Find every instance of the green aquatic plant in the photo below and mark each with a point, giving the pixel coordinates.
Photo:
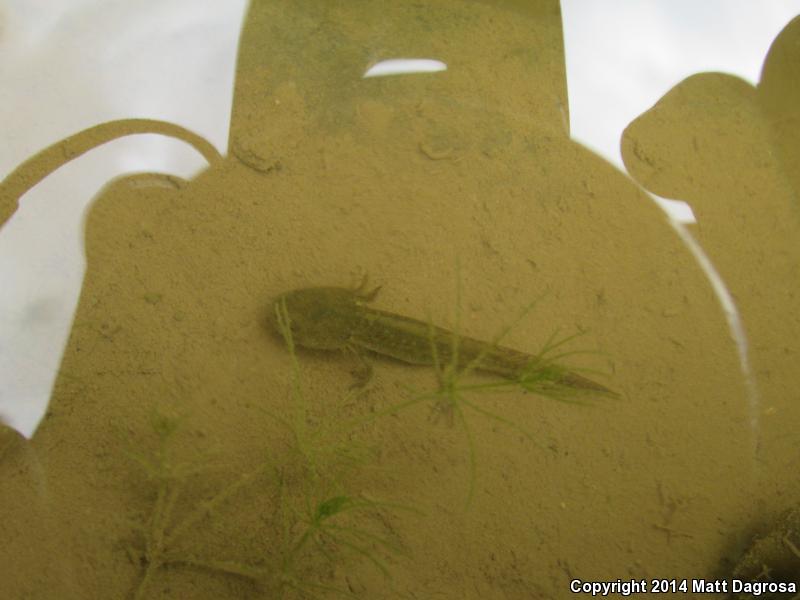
(544, 374)
(323, 454)
(338, 529)
(312, 528)
(325, 538)
(308, 544)
(157, 538)
(319, 523)
(319, 520)
(340, 319)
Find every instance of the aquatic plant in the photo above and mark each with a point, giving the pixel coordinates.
(157, 538)
(318, 521)
(545, 375)
(312, 528)
(325, 456)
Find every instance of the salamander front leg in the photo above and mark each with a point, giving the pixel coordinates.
(362, 373)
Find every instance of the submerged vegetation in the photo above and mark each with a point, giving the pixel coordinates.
(157, 538)
(318, 524)
(455, 392)
(310, 533)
